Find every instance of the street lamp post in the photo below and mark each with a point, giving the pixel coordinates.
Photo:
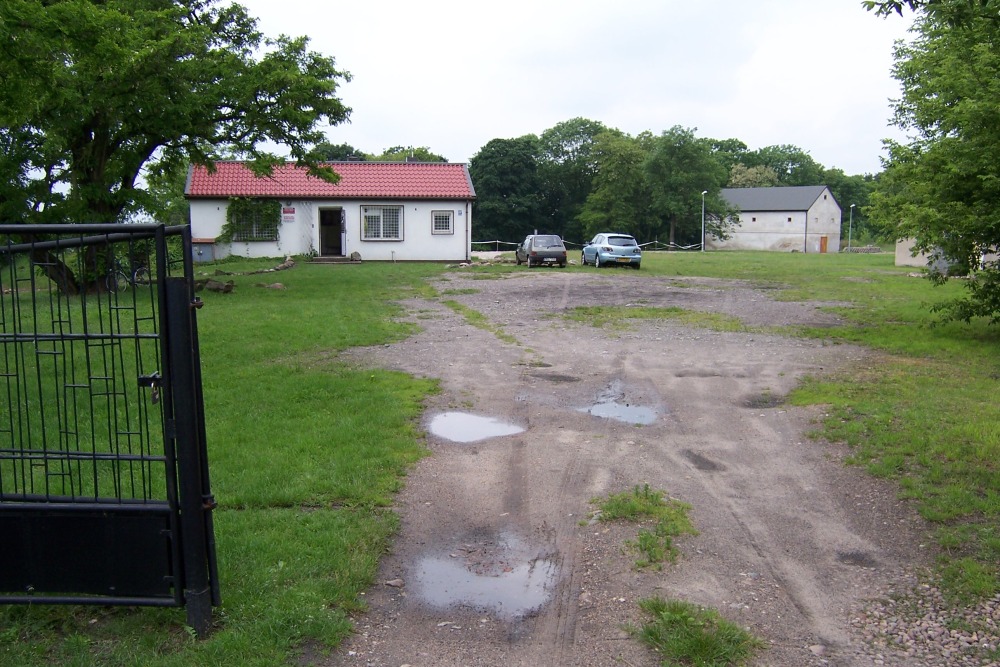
(850, 228)
(704, 192)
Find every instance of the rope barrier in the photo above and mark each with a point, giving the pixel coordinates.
(650, 245)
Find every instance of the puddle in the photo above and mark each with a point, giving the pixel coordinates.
(610, 406)
(630, 414)
(523, 589)
(465, 427)
(502, 577)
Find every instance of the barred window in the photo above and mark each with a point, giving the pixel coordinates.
(255, 224)
(382, 223)
(442, 222)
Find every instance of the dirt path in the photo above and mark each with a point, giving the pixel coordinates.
(497, 562)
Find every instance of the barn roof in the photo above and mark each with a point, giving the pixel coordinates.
(358, 180)
(790, 198)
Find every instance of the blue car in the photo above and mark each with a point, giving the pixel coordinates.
(612, 249)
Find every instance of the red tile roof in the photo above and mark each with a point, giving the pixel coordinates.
(358, 180)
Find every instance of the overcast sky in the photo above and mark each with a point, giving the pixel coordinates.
(453, 75)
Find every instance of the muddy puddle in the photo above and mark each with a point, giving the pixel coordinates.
(611, 404)
(466, 427)
(502, 577)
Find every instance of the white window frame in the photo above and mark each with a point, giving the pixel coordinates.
(436, 215)
(374, 223)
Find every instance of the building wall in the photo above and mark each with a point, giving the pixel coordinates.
(787, 231)
(299, 231)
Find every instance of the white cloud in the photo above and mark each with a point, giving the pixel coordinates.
(454, 75)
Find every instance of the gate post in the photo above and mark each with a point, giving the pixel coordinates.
(194, 505)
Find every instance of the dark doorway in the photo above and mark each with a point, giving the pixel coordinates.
(331, 232)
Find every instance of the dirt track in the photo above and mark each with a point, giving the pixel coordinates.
(497, 562)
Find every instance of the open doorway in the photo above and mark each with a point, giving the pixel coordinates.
(331, 232)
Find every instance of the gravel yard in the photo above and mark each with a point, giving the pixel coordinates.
(499, 561)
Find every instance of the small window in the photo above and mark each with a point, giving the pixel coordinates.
(754, 219)
(382, 223)
(442, 222)
(789, 220)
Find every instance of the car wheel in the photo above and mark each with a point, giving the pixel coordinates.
(583, 259)
(597, 260)
(636, 266)
(562, 265)
(517, 258)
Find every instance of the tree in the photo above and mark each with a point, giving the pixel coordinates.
(729, 152)
(621, 196)
(508, 203)
(855, 190)
(954, 12)
(327, 152)
(566, 170)
(106, 93)
(943, 187)
(678, 169)
(402, 153)
(760, 176)
(793, 165)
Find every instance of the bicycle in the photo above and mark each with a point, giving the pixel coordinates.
(118, 279)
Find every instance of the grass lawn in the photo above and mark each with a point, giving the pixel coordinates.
(305, 476)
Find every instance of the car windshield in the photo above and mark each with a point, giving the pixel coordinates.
(621, 240)
(547, 242)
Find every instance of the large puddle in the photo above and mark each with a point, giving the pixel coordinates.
(466, 427)
(499, 577)
(512, 594)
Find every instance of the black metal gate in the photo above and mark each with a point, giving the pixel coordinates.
(104, 488)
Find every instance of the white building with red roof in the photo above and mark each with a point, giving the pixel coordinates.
(389, 211)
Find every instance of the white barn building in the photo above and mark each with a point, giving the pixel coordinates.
(795, 218)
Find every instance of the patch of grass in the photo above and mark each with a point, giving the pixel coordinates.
(456, 291)
(480, 321)
(669, 519)
(605, 316)
(686, 634)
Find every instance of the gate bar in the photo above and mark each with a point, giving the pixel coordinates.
(181, 377)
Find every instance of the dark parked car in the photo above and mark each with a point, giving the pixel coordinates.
(605, 249)
(538, 249)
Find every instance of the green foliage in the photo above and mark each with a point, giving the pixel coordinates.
(620, 197)
(615, 316)
(567, 167)
(327, 152)
(403, 153)
(509, 203)
(679, 167)
(480, 321)
(97, 93)
(686, 634)
(247, 217)
(670, 519)
(758, 176)
(941, 188)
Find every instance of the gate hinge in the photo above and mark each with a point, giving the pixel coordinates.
(197, 303)
(208, 502)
